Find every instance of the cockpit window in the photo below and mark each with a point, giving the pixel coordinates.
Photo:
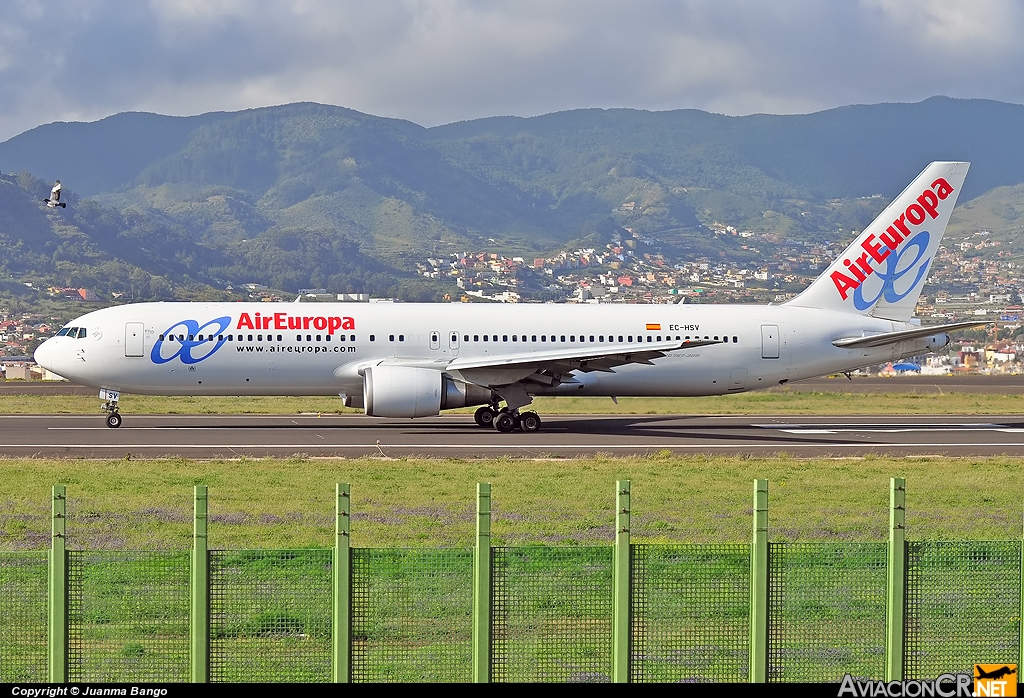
(72, 332)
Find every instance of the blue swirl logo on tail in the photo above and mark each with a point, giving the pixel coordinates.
(181, 341)
(893, 272)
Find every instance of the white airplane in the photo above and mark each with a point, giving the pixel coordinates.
(414, 360)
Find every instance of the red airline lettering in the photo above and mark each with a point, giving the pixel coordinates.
(926, 205)
(873, 250)
(284, 321)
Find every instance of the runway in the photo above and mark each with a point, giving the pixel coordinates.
(562, 436)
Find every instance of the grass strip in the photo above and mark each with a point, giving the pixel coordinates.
(288, 502)
(760, 403)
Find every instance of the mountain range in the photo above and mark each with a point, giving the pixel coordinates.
(310, 195)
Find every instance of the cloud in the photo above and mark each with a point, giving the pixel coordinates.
(445, 60)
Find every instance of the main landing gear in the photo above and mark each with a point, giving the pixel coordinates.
(505, 420)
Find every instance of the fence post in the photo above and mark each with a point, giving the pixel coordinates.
(58, 583)
(621, 617)
(896, 599)
(759, 586)
(342, 619)
(200, 628)
(482, 586)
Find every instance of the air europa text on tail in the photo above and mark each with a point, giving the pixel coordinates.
(878, 248)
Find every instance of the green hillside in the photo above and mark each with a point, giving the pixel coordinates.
(309, 195)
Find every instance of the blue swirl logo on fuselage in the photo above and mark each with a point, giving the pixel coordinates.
(181, 341)
(893, 272)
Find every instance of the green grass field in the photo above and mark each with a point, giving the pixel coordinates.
(287, 503)
(779, 401)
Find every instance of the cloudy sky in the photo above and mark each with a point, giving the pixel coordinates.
(439, 61)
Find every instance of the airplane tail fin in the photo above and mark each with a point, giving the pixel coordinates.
(883, 270)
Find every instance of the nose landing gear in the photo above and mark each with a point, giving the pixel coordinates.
(110, 398)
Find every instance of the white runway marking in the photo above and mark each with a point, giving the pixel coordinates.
(893, 429)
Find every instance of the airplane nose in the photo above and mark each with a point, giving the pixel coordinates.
(44, 354)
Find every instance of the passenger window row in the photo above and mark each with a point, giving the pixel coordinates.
(571, 338)
(591, 338)
(79, 332)
(246, 338)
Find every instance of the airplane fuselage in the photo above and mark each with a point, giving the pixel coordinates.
(323, 348)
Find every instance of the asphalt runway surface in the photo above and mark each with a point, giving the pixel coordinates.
(213, 436)
(562, 436)
(965, 383)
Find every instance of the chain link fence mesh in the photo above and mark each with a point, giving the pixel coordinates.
(691, 613)
(963, 606)
(826, 611)
(23, 619)
(270, 615)
(128, 616)
(412, 615)
(552, 614)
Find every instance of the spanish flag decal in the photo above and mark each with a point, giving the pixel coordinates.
(653, 326)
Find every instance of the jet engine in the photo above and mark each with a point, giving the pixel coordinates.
(407, 391)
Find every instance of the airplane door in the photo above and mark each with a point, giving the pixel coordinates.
(453, 342)
(769, 341)
(435, 340)
(738, 379)
(134, 342)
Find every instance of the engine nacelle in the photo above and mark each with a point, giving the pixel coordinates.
(406, 391)
(937, 341)
(922, 345)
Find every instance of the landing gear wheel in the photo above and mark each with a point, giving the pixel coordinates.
(529, 422)
(484, 417)
(505, 422)
(113, 420)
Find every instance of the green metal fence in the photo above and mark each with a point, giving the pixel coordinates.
(412, 614)
(779, 612)
(270, 615)
(827, 614)
(963, 605)
(23, 604)
(691, 613)
(552, 614)
(128, 616)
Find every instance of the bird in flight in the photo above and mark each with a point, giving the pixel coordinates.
(54, 200)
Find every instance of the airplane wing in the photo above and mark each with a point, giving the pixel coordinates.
(586, 359)
(878, 340)
(551, 368)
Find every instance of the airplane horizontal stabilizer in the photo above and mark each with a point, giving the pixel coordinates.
(879, 340)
